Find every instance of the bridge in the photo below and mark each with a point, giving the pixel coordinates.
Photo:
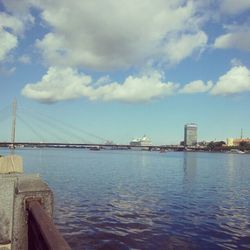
(31, 127)
(90, 146)
(46, 131)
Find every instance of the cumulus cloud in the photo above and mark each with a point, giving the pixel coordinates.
(103, 81)
(65, 83)
(196, 87)
(10, 27)
(236, 80)
(123, 34)
(115, 37)
(21, 10)
(233, 7)
(25, 59)
(60, 84)
(238, 37)
(136, 89)
(182, 46)
(11, 22)
(237, 33)
(235, 62)
(7, 71)
(8, 42)
(57, 85)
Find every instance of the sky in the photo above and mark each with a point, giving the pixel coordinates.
(119, 69)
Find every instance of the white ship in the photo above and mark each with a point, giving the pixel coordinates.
(143, 141)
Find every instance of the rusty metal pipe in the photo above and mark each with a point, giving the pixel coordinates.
(42, 233)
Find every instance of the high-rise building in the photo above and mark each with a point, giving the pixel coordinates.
(190, 134)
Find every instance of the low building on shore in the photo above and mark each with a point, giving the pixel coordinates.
(237, 141)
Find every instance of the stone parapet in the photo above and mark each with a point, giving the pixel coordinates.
(15, 190)
(11, 164)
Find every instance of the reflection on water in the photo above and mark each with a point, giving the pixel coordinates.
(147, 200)
(189, 166)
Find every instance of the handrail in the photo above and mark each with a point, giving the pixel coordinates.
(42, 233)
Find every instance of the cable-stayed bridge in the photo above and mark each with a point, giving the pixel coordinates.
(21, 124)
(31, 128)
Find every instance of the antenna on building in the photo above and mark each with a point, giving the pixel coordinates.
(241, 134)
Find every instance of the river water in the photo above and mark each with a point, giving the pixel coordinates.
(112, 199)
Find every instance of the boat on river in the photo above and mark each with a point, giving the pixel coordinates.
(95, 148)
(236, 151)
(143, 141)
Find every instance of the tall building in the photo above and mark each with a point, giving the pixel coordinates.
(190, 134)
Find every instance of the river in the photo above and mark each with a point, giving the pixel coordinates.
(112, 199)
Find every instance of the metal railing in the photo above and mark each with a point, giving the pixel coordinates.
(42, 233)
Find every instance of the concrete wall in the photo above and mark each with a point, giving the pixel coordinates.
(15, 189)
(11, 164)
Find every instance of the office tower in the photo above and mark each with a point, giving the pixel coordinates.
(190, 134)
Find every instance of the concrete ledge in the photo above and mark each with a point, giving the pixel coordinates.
(28, 187)
(5, 247)
(11, 164)
(31, 183)
(15, 190)
(6, 210)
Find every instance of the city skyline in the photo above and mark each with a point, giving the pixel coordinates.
(123, 70)
(190, 135)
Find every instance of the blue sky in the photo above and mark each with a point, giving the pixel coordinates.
(122, 69)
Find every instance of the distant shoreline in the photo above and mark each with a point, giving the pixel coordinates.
(162, 149)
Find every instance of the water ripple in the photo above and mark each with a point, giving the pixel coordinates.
(147, 200)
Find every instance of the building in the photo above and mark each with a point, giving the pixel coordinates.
(236, 141)
(144, 141)
(190, 134)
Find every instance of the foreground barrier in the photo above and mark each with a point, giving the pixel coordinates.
(42, 233)
(26, 209)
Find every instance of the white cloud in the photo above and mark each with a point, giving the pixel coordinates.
(11, 22)
(7, 71)
(136, 89)
(196, 87)
(237, 34)
(236, 80)
(25, 59)
(182, 46)
(60, 84)
(65, 83)
(103, 80)
(122, 34)
(10, 27)
(57, 85)
(236, 62)
(233, 7)
(8, 42)
(20, 9)
(238, 37)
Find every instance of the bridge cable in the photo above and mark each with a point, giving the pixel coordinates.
(60, 125)
(48, 131)
(52, 126)
(67, 125)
